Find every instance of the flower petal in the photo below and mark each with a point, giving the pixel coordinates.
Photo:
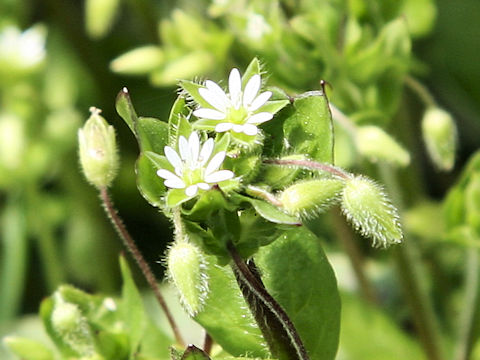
(250, 129)
(206, 151)
(183, 148)
(218, 176)
(259, 118)
(251, 90)
(174, 183)
(235, 87)
(172, 157)
(215, 163)
(218, 92)
(203, 186)
(191, 190)
(194, 146)
(165, 174)
(237, 128)
(222, 127)
(209, 114)
(213, 99)
(260, 100)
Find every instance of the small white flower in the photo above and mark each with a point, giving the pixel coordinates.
(23, 49)
(193, 168)
(238, 110)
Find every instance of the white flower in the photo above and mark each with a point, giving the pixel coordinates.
(237, 110)
(193, 168)
(23, 49)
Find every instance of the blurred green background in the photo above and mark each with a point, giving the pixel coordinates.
(53, 229)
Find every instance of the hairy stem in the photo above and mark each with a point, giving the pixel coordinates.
(137, 255)
(310, 165)
(421, 90)
(262, 194)
(270, 316)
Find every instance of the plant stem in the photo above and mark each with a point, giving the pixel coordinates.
(262, 194)
(346, 237)
(253, 285)
(411, 276)
(471, 309)
(137, 255)
(421, 90)
(311, 165)
(207, 343)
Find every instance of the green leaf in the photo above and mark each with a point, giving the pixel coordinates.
(226, 317)
(148, 183)
(152, 134)
(28, 349)
(368, 334)
(125, 108)
(271, 212)
(304, 128)
(176, 197)
(159, 161)
(298, 275)
(132, 310)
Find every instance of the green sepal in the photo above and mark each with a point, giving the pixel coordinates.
(176, 197)
(205, 124)
(177, 129)
(252, 69)
(159, 161)
(179, 110)
(192, 89)
(194, 353)
(125, 109)
(273, 106)
(208, 203)
(149, 183)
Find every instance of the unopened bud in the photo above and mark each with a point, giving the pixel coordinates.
(72, 327)
(98, 150)
(99, 16)
(186, 269)
(440, 136)
(370, 211)
(142, 60)
(375, 144)
(311, 197)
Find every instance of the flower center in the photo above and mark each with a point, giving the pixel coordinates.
(193, 176)
(237, 116)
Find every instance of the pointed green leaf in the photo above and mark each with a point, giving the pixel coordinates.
(132, 310)
(297, 273)
(176, 197)
(159, 161)
(152, 134)
(149, 183)
(226, 317)
(125, 108)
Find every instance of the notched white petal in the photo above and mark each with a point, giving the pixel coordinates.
(260, 100)
(215, 163)
(191, 190)
(259, 118)
(250, 129)
(213, 99)
(217, 91)
(203, 186)
(235, 86)
(165, 174)
(183, 148)
(206, 151)
(222, 127)
(237, 128)
(209, 114)
(174, 183)
(251, 90)
(218, 176)
(172, 157)
(194, 146)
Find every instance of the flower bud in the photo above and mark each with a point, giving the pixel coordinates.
(370, 211)
(440, 136)
(186, 270)
(72, 327)
(99, 16)
(98, 150)
(138, 61)
(311, 197)
(375, 144)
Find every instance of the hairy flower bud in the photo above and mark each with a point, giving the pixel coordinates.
(138, 61)
(310, 197)
(376, 144)
(186, 270)
(370, 211)
(72, 327)
(98, 150)
(440, 136)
